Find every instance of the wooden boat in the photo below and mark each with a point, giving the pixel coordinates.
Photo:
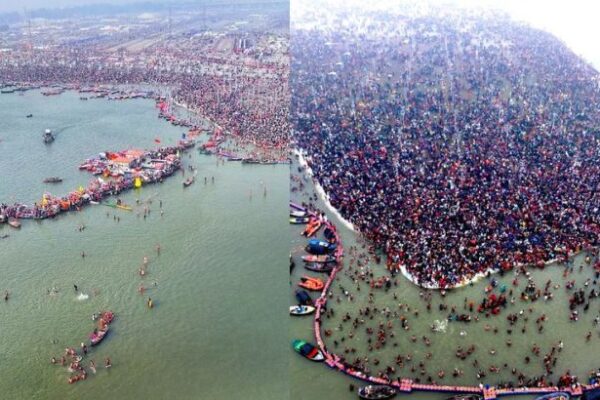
(467, 396)
(298, 220)
(303, 298)
(319, 267)
(316, 246)
(103, 326)
(323, 259)
(307, 350)
(53, 179)
(301, 310)
(298, 214)
(189, 181)
(555, 396)
(376, 392)
(250, 161)
(234, 159)
(311, 283)
(14, 222)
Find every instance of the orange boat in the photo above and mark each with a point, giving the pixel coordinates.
(313, 226)
(310, 283)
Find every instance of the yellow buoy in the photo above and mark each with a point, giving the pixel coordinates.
(138, 182)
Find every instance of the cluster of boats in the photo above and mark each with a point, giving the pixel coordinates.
(120, 171)
(315, 262)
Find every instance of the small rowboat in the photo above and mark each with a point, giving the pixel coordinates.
(301, 310)
(310, 283)
(555, 396)
(376, 392)
(303, 298)
(468, 396)
(53, 179)
(297, 213)
(318, 259)
(15, 223)
(307, 350)
(103, 326)
(319, 267)
(188, 182)
(298, 220)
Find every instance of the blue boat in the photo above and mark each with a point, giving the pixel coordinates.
(303, 298)
(316, 246)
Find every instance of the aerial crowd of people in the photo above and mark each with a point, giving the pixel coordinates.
(244, 93)
(457, 144)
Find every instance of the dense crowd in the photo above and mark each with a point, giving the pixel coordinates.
(456, 144)
(244, 94)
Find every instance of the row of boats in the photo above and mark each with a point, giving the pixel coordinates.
(305, 304)
(121, 171)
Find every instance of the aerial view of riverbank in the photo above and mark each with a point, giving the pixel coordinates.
(139, 236)
(432, 144)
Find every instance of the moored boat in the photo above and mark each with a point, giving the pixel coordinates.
(376, 392)
(467, 396)
(307, 350)
(323, 259)
(319, 267)
(301, 310)
(313, 227)
(316, 246)
(298, 220)
(14, 222)
(310, 283)
(298, 213)
(303, 298)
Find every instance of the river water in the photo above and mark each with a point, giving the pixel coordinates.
(218, 326)
(578, 355)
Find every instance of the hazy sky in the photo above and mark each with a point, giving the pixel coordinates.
(574, 21)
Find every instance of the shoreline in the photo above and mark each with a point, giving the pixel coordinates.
(403, 270)
(321, 192)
